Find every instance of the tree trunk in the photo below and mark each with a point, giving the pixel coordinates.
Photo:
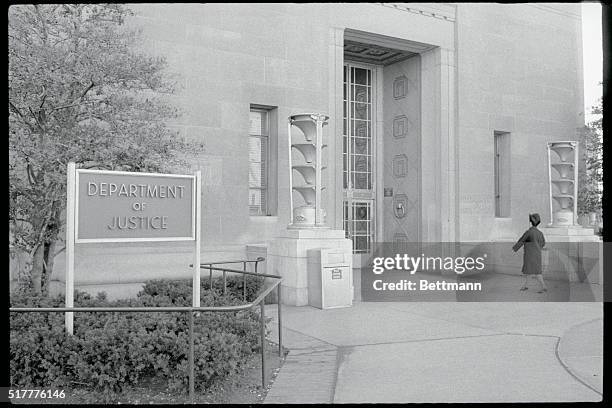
(37, 269)
(49, 261)
(19, 267)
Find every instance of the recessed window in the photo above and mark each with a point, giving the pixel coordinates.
(501, 142)
(357, 137)
(261, 146)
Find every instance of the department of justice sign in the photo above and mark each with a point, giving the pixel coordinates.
(114, 206)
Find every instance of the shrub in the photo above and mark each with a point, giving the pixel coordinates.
(111, 350)
(39, 355)
(179, 291)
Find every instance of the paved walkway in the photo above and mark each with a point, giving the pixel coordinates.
(441, 352)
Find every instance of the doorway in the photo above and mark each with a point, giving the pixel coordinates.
(380, 150)
(411, 103)
(359, 140)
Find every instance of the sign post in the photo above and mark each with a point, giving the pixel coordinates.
(70, 198)
(118, 206)
(196, 251)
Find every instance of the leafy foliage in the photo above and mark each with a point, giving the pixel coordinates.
(110, 351)
(590, 182)
(179, 291)
(79, 90)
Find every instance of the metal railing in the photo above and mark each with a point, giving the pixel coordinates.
(244, 263)
(190, 309)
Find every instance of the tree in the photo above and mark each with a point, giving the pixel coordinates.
(590, 183)
(79, 90)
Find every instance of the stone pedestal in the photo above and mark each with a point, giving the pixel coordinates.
(572, 233)
(574, 253)
(287, 257)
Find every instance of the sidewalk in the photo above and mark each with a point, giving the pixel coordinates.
(441, 352)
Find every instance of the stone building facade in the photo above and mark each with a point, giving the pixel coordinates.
(421, 97)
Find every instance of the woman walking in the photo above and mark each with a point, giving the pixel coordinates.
(533, 241)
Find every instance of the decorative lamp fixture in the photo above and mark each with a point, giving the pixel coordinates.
(565, 193)
(310, 145)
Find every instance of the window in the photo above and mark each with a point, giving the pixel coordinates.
(262, 160)
(502, 173)
(358, 156)
(357, 137)
(259, 137)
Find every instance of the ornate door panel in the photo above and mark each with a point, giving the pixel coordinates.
(401, 178)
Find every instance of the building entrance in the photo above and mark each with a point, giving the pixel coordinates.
(381, 147)
(358, 152)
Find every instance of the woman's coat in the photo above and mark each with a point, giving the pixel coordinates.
(533, 241)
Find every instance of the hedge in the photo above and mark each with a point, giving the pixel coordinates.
(179, 291)
(109, 351)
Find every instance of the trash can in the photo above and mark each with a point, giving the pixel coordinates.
(330, 278)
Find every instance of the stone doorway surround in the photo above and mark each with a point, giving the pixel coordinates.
(438, 198)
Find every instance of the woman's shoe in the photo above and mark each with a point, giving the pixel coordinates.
(523, 288)
(542, 290)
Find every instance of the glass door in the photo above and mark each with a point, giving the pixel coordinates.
(359, 186)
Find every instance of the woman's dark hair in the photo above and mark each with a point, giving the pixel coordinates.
(534, 219)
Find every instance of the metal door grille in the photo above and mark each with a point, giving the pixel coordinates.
(359, 224)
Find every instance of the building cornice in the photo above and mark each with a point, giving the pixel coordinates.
(440, 11)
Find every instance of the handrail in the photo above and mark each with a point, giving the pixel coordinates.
(259, 259)
(267, 275)
(244, 262)
(184, 309)
(236, 308)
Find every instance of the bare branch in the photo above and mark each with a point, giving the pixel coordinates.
(23, 220)
(74, 102)
(44, 97)
(15, 109)
(87, 90)
(36, 119)
(31, 176)
(72, 105)
(59, 251)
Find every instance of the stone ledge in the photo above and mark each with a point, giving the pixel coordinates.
(569, 231)
(312, 233)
